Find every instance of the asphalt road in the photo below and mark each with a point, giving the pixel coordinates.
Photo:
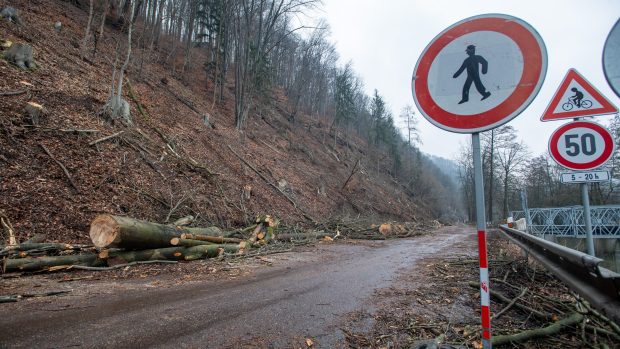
(301, 295)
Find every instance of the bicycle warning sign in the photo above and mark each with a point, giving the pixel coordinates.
(576, 98)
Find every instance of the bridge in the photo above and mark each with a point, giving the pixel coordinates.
(569, 222)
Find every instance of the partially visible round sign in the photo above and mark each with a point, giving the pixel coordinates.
(581, 145)
(611, 58)
(479, 73)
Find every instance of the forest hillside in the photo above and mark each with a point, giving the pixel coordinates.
(186, 147)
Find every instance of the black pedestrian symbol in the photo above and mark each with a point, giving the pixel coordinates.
(471, 64)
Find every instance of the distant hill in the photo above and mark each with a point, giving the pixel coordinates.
(448, 167)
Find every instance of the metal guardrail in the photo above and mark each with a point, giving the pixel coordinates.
(581, 272)
(568, 221)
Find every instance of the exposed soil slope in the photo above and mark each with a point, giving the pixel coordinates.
(169, 164)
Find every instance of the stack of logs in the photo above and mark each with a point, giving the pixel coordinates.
(122, 240)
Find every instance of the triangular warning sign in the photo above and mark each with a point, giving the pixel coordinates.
(576, 98)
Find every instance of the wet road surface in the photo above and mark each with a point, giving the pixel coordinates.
(302, 295)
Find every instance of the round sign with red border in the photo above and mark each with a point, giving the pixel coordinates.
(479, 73)
(581, 145)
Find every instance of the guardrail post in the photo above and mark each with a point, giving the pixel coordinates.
(485, 298)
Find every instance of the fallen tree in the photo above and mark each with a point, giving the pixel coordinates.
(27, 248)
(178, 253)
(42, 263)
(111, 258)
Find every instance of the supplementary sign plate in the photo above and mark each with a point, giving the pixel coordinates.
(584, 177)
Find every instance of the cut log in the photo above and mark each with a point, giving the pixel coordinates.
(210, 251)
(184, 221)
(214, 239)
(210, 231)
(185, 242)
(37, 248)
(41, 263)
(115, 257)
(170, 253)
(108, 231)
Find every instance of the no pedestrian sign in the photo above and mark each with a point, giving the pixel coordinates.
(479, 73)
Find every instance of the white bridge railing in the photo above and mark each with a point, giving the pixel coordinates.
(568, 221)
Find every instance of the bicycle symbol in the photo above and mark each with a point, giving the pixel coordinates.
(585, 104)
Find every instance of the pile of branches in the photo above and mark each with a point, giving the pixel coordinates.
(122, 241)
(363, 229)
(530, 308)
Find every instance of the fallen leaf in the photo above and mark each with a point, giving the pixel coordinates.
(309, 342)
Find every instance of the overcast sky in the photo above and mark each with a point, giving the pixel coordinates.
(383, 40)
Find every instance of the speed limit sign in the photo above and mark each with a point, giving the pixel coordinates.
(581, 145)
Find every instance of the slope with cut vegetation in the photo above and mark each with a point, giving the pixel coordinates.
(288, 134)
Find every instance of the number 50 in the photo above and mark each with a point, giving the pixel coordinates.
(586, 144)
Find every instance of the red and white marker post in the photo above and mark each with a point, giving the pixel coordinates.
(474, 76)
(485, 298)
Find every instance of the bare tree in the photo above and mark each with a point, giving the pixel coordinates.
(117, 107)
(407, 114)
(512, 158)
(259, 26)
(87, 32)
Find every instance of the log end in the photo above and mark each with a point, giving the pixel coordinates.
(103, 230)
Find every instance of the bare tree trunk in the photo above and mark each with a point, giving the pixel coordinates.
(99, 37)
(87, 33)
(117, 107)
(189, 36)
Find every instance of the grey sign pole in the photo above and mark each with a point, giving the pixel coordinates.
(485, 299)
(587, 219)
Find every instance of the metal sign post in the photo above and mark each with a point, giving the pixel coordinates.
(582, 145)
(449, 86)
(481, 225)
(587, 218)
